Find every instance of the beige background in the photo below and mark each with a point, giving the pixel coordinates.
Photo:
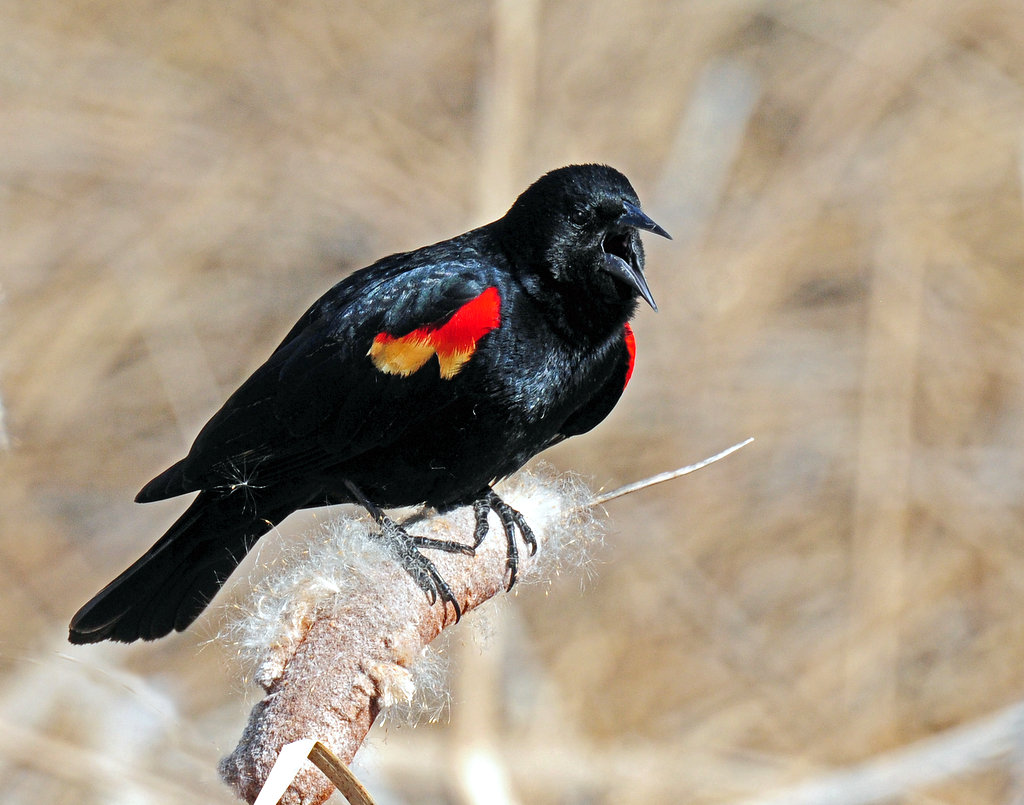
(178, 181)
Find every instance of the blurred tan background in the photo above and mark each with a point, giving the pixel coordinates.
(832, 615)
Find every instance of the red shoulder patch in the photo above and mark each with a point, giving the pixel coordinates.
(454, 342)
(630, 341)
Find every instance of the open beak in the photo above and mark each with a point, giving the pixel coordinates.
(632, 215)
(619, 257)
(630, 273)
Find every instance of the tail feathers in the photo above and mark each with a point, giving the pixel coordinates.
(168, 484)
(174, 581)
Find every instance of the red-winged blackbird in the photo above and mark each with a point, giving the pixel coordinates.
(423, 378)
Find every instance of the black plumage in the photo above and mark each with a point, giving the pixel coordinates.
(423, 378)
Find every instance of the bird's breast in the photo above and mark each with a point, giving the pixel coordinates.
(544, 379)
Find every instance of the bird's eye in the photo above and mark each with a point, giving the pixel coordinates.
(579, 215)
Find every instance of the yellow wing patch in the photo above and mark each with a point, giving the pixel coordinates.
(399, 356)
(454, 342)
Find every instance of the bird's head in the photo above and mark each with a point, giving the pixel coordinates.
(580, 224)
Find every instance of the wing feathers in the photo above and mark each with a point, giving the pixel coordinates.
(454, 342)
(318, 400)
(630, 341)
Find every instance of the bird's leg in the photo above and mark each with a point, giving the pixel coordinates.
(481, 511)
(407, 546)
(510, 520)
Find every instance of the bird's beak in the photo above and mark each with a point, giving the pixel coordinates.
(632, 215)
(624, 263)
(632, 274)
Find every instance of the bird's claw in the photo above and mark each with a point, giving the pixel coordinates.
(422, 570)
(510, 521)
(406, 547)
(448, 546)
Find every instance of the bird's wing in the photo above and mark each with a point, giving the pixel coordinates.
(374, 354)
(386, 357)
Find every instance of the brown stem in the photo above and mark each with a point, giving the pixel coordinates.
(344, 658)
(353, 659)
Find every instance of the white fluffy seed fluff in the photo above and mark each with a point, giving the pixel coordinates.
(344, 559)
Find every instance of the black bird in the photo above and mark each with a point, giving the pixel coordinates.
(422, 379)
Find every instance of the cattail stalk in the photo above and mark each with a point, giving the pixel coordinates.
(341, 629)
(336, 632)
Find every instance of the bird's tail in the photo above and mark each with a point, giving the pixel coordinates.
(171, 584)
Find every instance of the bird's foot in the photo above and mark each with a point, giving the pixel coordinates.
(423, 571)
(510, 521)
(407, 550)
